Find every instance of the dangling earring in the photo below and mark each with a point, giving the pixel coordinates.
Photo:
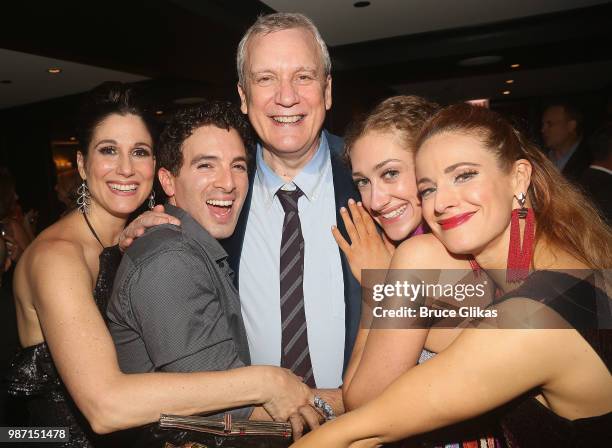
(152, 200)
(476, 269)
(84, 199)
(519, 255)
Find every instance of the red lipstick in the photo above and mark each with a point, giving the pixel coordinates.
(455, 221)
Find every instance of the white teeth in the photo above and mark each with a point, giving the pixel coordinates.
(122, 187)
(288, 119)
(395, 212)
(220, 203)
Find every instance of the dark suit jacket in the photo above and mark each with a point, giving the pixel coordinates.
(598, 186)
(344, 189)
(580, 161)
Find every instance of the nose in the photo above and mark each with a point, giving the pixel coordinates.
(444, 199)
(379, 197)
(225, 180)
(126, 165)
(287, 94)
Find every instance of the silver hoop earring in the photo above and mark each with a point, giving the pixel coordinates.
(152, 200)
(84, 199)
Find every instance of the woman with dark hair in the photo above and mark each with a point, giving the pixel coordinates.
(68, 364)
(542, 369)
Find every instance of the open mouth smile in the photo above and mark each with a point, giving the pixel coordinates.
(220, 209)
(122, 188)
(287, 119)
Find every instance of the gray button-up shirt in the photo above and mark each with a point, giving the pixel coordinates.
(174, 307)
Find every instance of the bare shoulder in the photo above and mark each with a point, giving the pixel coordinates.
(426, 252)
(51, 256)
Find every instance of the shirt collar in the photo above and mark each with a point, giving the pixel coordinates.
(562, 161)
(192, 229)
(309, 180)
(600, 168)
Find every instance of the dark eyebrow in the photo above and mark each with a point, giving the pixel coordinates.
(105, 141)
(448, 169)
(114, 142)
(198, 158)
(240, 159)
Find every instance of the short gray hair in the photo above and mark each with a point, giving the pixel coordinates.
(270, 23)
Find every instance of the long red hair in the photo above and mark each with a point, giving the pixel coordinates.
(565, 217)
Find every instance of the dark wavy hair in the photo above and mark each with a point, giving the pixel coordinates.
(186, 121)
(107, 99)
(565, 217)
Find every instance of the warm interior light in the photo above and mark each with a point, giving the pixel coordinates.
(506, 92)
(515, 65)
(72, 139)
(159, 112)
(482, 102)
(509, 81)
(54, 70)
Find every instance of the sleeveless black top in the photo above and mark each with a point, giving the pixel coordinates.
(525, 421)
(33, 377)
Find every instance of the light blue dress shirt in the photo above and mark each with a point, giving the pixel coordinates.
(561, 162)
(323, 282)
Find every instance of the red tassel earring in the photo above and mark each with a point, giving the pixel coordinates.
(519, 255)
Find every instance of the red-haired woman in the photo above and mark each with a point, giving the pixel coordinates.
(482, 185)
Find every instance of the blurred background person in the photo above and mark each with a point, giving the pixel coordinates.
(562, 132)
(597, 178)
(16, 233)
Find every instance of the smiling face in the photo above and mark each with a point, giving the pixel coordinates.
(120, 167)
(212, 182)
(467, 198)
(287, 93)
(383, 171)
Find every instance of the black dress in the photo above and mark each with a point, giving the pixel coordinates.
(525, 421)
(33, 377)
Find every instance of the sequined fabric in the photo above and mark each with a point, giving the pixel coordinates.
(32, 375)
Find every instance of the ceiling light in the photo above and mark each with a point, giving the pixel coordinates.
(159, 112)
(54, 70)
(361, 4)
(506, 92)
(515, 65)
(480, 60)
(73, 139)
(509, 81)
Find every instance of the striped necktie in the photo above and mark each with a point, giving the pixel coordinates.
(295, 355)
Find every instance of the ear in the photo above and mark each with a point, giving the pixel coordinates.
(166, 179)
(243, 100)
(328, 93)
(81, 165)
(572, 125)
(521, 174)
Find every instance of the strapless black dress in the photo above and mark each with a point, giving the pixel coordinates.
(32, 376)
(525, 421)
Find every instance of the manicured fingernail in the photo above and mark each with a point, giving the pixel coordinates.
(359, 204)
(351, 201)
(342, 210)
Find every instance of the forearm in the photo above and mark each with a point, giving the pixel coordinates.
(133, 400)
(360, 340)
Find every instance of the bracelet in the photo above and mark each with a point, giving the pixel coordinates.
(324, 407)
